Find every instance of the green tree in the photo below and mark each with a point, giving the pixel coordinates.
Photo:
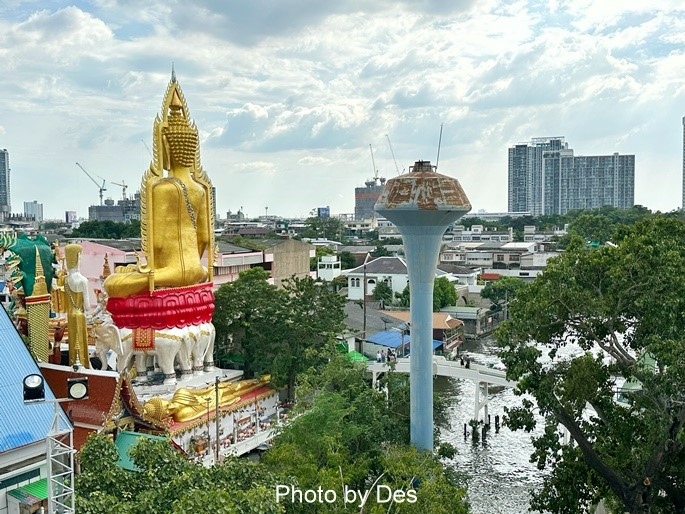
(168, 482)
(348, 433)
(596, 319)
(347, 260)
(309, 318)
(502, 291)
(277, 331)
(107, 230)
(444, 294)
(403, 299)
(245, 316)
(382, 293)
(324, 228)
(380, 251)
(592, 227)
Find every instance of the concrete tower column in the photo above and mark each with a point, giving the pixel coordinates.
(422, 204)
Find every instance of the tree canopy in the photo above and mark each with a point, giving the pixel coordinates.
(324, 228)
(444, 295)
(348, 434)
(597, 320)
(107, 230)
(502, 291)
(168, 482)
(277, 331)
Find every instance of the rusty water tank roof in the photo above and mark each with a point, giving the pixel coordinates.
(423, 189)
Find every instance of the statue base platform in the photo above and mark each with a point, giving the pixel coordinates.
(164, 308)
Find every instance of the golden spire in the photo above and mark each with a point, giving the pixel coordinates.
(39, 287)
(106, 271)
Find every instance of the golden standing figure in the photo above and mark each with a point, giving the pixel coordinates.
(177, 216)
(58, 295)
(78, 301)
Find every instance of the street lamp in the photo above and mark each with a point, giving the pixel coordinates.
(60, 441)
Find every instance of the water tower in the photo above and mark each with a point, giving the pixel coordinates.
(422, 204)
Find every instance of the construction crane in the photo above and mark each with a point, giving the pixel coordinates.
(102, 187)
(123, 188)
(397, 168)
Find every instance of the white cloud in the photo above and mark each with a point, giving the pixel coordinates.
(289, 95)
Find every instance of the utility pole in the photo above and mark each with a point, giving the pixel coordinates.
(216, 401)
(364, 307)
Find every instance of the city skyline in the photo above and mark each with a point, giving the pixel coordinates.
(288, 96)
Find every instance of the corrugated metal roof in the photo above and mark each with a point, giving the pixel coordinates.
(394, 339)
(32, 493)
(20, 423)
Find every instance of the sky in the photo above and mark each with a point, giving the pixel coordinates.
(296, 100)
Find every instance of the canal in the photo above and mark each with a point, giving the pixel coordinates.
(498, 470)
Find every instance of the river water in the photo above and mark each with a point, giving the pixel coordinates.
(499, 473)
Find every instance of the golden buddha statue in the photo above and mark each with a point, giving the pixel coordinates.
(78, 302)
(177, 214)
(188, 404)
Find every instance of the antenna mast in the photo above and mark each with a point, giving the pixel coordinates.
(393, 155)
(439, 143)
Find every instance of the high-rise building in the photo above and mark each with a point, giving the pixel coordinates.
(587, 182)
(546, 178)
(525, 173)
(33, 210)
(5, 203)
(366, 197)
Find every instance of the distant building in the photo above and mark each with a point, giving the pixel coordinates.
(33, 210)
(366, 197)
(587, 182)
(525, 173)
(683, 204)
(286, 259)
(546, 178)
(124, 211)
(5, 202)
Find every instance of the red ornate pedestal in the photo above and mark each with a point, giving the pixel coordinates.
(164, 308)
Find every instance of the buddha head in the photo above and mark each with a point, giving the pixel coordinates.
(180, 136)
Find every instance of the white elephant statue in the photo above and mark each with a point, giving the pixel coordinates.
(201, 347)
(169, 344)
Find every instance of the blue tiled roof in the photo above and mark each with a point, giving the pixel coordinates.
(20, 423)
(393, 339)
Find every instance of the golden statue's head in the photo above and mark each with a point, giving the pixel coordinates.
(72, 252)
(180, 135)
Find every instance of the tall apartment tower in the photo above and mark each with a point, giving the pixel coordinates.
(5, 204)
(33, 210)
(525, 173)
(573, 182)
(546, 178)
